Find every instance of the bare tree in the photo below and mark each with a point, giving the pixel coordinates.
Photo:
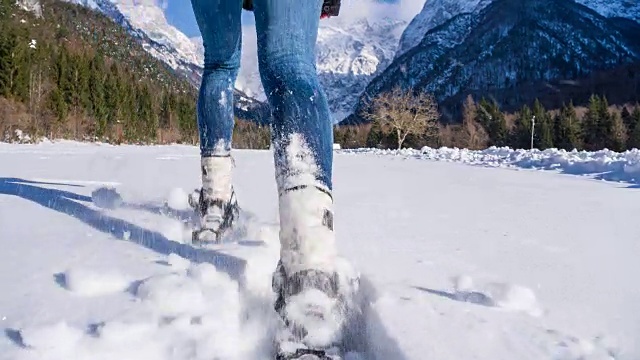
(405, 112)
(473, 135)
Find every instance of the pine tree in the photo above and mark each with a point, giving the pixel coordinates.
(112, 95)
(493, 120)
(6, 7)
(167, 110)
(472, 135)
(83, 76)
(627, 119)
(634, 137)
(58, 106)
(187, 119)
(618, 131)
(5, 64)
(63, 79)
(23, 61)
(543, 135)
(375, 136)
(97, 96)
(337, 135)
(9, 63)
(148, 122)
(483, 116)
(521, 135)
(605, 132)
(591, 124)
(567, 129)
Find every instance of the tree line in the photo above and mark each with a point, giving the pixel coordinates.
(594, 127)
(73, 73)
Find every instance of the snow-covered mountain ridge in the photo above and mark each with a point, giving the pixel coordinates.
(147, 23)
(348, 57)
(437, 12)
(510, 51)
(349, 53)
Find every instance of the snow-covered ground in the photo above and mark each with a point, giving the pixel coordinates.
(458, 261)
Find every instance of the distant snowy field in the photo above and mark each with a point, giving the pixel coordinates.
(462, 256)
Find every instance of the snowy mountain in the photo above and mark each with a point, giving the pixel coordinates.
(349, 53)
(508, 47)
(149, 18)
(629, 9)
(146, 21)
(437, 12)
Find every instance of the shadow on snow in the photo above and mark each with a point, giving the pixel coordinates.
(473, 297)
(71, 204)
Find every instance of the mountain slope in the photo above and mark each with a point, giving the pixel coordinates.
(146, 22)
(508, 45)
(628, 9)
(433, 14)
(67, 71)
(437, 12)
(350, 55)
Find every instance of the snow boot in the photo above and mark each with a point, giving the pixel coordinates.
(216, 201)
(308, 303)
(305, 280)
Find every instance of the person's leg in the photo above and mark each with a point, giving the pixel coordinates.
(220, 26)
(301, 129)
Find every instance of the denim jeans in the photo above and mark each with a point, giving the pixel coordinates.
(286, 35)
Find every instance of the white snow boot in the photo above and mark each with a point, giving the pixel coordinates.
(216, 201)
(305, 281)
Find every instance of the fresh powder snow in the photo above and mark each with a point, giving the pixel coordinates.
(493, 254)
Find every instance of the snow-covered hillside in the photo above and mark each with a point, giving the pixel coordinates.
(147, 16)
(460, 262)
(437, 12)
(146, 22)
(629, 9)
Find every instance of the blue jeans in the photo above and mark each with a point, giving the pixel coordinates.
(286, 34)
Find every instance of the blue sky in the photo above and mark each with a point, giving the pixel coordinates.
(180, 14)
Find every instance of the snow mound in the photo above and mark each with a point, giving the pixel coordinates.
(604, 164)
(511, 297)
(90, 282)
